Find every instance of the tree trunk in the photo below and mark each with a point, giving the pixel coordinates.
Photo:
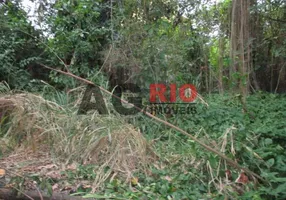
(220, 64)
(240, 46)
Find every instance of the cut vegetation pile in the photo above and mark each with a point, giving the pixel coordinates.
(34, 129)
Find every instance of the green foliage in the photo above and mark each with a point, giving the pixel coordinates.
(18, 46)
(258, 138)
(82, 173)
(163, 53)
(169, 42)
(79, 35)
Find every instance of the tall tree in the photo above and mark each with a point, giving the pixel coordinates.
(240, 49)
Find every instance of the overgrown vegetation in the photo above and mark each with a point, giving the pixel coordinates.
(232, 51)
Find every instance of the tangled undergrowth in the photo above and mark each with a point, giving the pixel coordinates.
(47, 142)
(255, 139)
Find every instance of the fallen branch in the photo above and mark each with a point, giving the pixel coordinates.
(228, 160)
(8, 194)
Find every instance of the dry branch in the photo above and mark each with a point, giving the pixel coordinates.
(8, 194)
(224, 157)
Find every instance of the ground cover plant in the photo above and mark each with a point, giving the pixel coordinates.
(232, 144)
(180, 169)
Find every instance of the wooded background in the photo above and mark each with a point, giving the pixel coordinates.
(217, 45)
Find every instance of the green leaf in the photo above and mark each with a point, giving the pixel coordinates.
(268, 141)
(270, 162)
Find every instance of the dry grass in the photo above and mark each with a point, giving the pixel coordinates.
(35, 124)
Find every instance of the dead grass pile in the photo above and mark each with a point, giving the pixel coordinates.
(34, 123)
